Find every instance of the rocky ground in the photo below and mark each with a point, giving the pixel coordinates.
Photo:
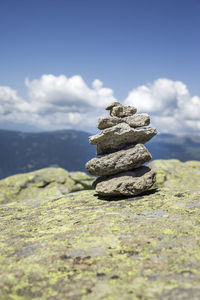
(60, 241)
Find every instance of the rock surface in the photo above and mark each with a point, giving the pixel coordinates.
(123, 160)
(78, 246)
(110, 106)
(117, 137)
(174, 174)
(121, 111)
(46, 183)
(127, 183)
(138, 120)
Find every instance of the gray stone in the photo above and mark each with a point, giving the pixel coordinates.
(120, 161)
(134, 121)
(181, 293)
(122, 111)
(138, 120)
(106, 122)
(119, 136)
(110, 106)
(127, 183)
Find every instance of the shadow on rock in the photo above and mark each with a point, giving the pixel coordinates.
(129, 198)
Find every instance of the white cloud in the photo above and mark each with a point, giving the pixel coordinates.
(170, 105)
(67, 94)
(58, 102)
(9, 101)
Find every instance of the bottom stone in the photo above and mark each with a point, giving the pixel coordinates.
(126, 183)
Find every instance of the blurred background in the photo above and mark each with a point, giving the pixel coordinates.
(63, 61)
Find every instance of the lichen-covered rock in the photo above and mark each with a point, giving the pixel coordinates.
(120, 161)
(134, 121)
(46, 183)
(174, 174)
(119, 136)
(127, 183)
(79, 246)
(82, 179)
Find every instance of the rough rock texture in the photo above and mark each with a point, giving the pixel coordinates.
(138, 120)
(122, 111)
(119, 136)
(123, 160)
(128, 183)
(110, 106)
(173, 174)
(43, 184)
(106, 122)
(83, 247)
(121, 172)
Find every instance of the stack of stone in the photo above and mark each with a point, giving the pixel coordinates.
(121, 171)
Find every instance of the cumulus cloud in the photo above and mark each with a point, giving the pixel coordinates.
(67, 94)
(56, 102)
(170, 105)
(9, 101)
(59, 102)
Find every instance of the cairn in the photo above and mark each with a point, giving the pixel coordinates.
(121, 142)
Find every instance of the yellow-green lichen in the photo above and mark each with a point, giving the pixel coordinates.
(78, 246)
(49, 183)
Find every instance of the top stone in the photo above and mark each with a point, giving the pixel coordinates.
(110, 106)
(120, 111)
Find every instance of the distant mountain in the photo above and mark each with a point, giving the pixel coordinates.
(70, 149)
(24, 152)
(167, 146)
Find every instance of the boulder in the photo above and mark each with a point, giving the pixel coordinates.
(135, 121)
(128, 183)
(174, 174)
(119, 136)
(123, 160)
(46, 183)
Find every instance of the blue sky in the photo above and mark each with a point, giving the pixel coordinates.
(126, 44)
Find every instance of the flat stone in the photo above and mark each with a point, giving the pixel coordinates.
(120, 161)
(106, 122)
(138, 120)
(110, 106)
(134, 121)
(125, 184)
(122, 111)
(120, 136)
